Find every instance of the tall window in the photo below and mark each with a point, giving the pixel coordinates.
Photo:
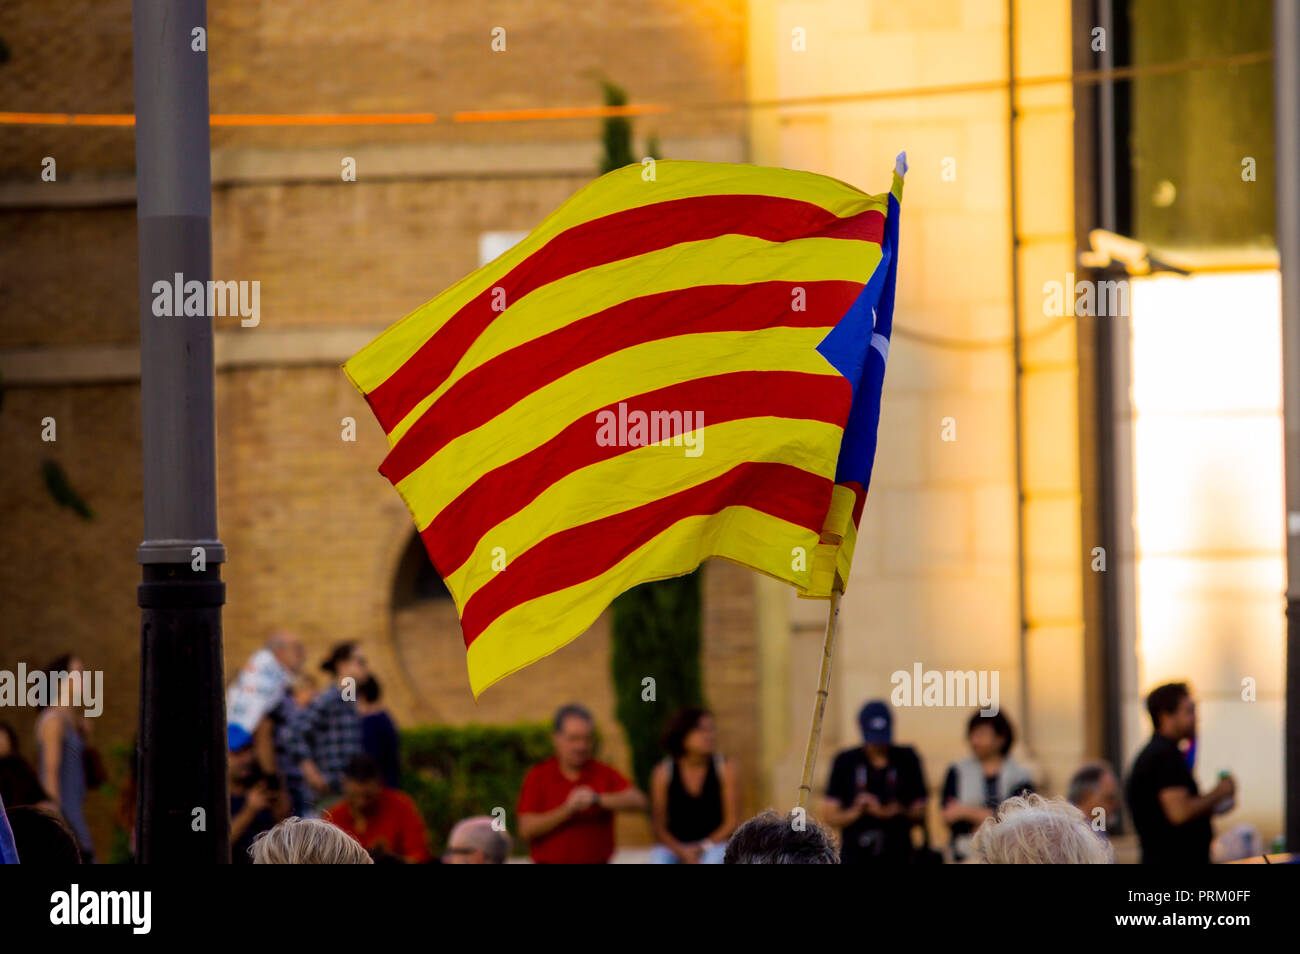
(1200, 141)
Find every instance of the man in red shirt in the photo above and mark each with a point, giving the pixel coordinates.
(567, 803)
(384, 820)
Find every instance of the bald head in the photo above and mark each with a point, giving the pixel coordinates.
(287, 648)
(475, 842)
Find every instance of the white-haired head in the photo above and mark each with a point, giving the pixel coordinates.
(307, 841)
(1032, 830)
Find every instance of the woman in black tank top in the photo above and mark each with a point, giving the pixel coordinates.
(692, 793)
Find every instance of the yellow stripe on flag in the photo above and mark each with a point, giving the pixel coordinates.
(616, 191)
(730, 259)
(580, 394)
(526, 633)
(642, 475)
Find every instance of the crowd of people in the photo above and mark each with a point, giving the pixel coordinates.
(314, 775)
(877, 796)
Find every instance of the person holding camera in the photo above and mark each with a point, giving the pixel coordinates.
(257, 801)
(876, 795)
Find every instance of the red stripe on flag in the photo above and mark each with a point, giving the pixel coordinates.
(451, 536)
(609, 238)
(498, 384)
(584, 553)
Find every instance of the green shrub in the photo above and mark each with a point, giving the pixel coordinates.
(121, 765)
(616, 132)
(655, 632)
(454, 772)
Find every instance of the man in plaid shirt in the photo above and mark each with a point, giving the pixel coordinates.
(326, 733)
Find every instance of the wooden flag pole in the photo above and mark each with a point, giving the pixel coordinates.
(819, 706)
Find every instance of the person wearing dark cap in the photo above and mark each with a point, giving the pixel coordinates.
(257, 800)
(876, 794)
(326, 733)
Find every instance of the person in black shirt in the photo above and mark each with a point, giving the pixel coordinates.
(18, 782)
(693, 793)
(876, 794)
(379, 737)
(1171, 816)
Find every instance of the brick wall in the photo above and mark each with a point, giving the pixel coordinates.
(314, 537)
(365, 253)
(314, 534)
(357, 56)
(68, 585)
(40, 250)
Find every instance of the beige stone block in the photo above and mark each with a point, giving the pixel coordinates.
(971, 621)
(990, 321)
(927, 530)
(900, 440)
(995, 525)
(1054, 346)
(1056, 689)
(975, 633)
(864, 146)
(920, 328)
(1045, 143)
(1042, 37)
(804, 613)
(1053, 595)
(1049, 406)
(1048, 276)
(928, 144)
(951, 55)
(879, 618)
(991, 370)
(915, 18)
(1046, 97)
(869, 556)
(959, 255)
(983, 450)
(920, 366)
(984, 14)
(982, 171)
(1052, 532)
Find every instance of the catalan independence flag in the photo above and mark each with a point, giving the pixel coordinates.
(683, 361)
